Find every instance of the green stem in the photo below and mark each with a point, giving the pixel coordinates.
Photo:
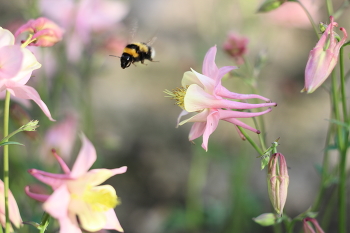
(342, 192)
(335, 98)
(256, 147)
(45, 220)
(329, 7)
(342, 84)
(6, 161)
(310, 19)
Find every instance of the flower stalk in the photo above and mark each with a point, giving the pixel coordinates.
(6, 161)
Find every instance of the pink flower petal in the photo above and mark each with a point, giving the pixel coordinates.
(15, 216)
(197, 130)
(54, 180)
(6, 37)
(112, 221)
(209, 67)
(57, 204)
(27, 92)
(36, 196)
(199, 117)
(235, 114)
(29, 63)
(212, 123)
(183, 113)
(197, 99)
(240, 123)
(11, 58)
(63, 165)
(86, 157)
(223, 92)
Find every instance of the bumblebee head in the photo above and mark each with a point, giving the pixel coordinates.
(126, 60)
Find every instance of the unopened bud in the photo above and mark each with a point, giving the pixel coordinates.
(267, 219)
(278, 181)
(30, 126)
(308, 228)
(270, 5)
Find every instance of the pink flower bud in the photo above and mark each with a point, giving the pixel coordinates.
(323, 58)
(44, 32)
(278, 181)
(236, 46)
(307, 227)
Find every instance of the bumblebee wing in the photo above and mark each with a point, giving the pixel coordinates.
(151, 41)
(134, 26)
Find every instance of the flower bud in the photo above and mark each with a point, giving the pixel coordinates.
(266, 219)
(307, 227)
(277, 181)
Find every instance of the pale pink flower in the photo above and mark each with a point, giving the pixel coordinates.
(307, 227)
(78, 193)
(16, 67)
(44, 32)
(82, 17)
(323, 58)
(236, 46)
(61, 137)
(14, 214)
(204, 95)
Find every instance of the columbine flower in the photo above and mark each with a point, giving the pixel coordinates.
(16, 66)
(203, 94)
(15, 216)
(43, 32)
(79, 193)
(81, 18)
(278, 181)
(308, 229)
(323, 58)
(236, 46)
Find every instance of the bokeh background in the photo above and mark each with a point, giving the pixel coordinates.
(172, 185)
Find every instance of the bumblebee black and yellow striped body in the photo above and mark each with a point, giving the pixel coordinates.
(136, 52)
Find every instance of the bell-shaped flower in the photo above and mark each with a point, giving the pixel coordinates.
(204, 95)
(16, 67)
(43, 32)
(78, 193)
(308, 228)
(278, 181)
(14, 214)
(323, 58)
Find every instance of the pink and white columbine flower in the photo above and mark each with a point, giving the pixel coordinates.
(80, 18)
(78, 192)
(15, 216)
(16, 67)
(323, 58)
(43, 32)
(204, 95)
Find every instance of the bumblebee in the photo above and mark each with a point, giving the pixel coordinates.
(136, 52)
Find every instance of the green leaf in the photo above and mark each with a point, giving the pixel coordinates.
(11, 143)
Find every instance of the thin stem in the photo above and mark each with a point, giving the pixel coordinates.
(342, 84)
(342, 192)
(310, 19)
(329, 7)
(335, 98)
(256, 147)
(6, 161)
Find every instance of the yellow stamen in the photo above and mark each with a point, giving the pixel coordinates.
(100, 199)
(177, 94)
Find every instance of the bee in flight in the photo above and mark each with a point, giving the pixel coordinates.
(136, 52)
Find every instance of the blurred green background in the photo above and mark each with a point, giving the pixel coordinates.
(172, 185)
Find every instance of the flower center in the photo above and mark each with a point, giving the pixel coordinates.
(177, 94)
(101, 198)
